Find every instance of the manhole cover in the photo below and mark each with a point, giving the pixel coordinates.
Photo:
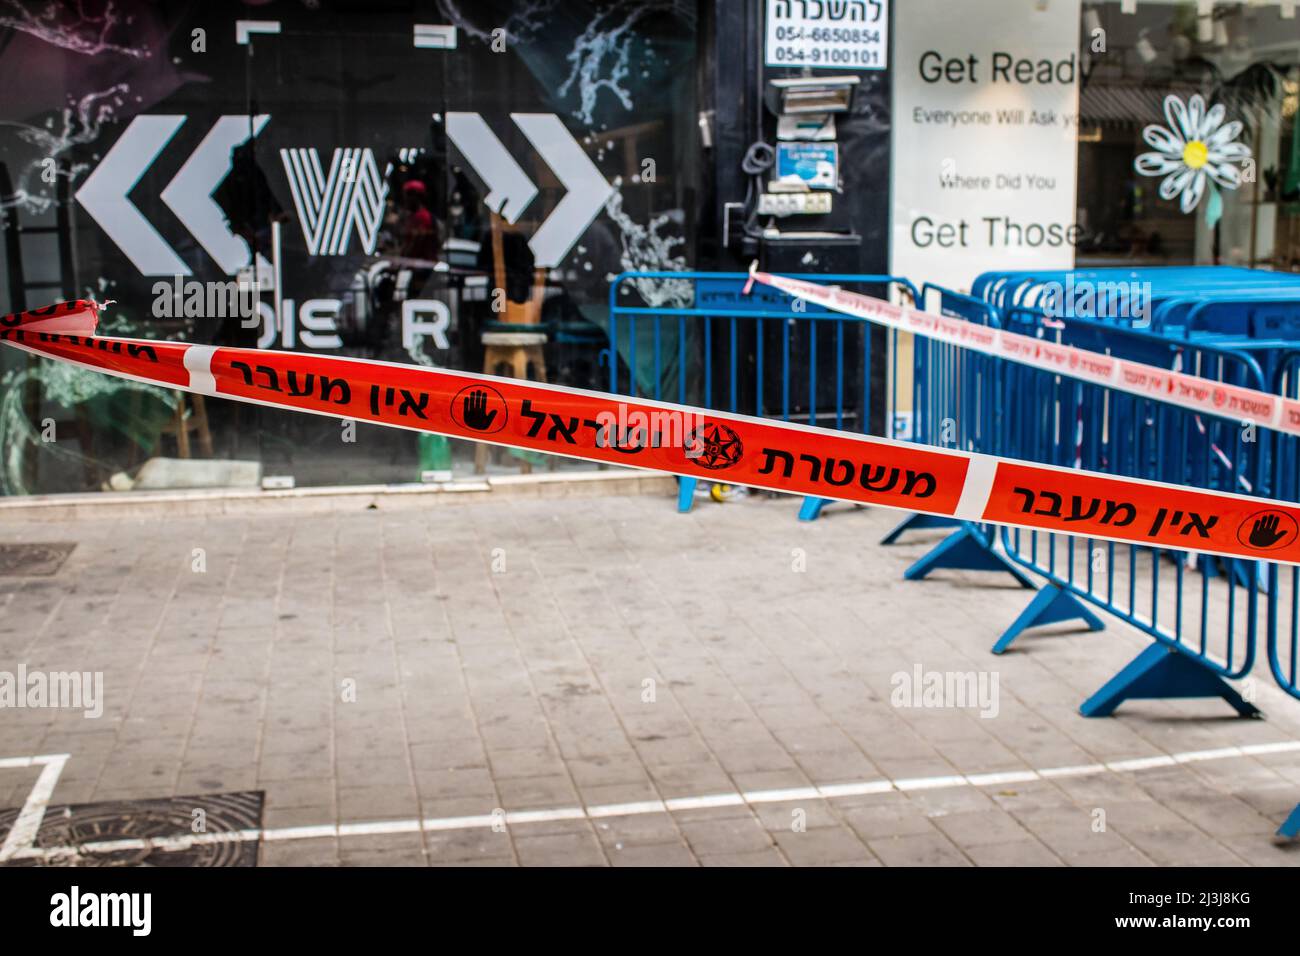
(32, 560)
(72, 831)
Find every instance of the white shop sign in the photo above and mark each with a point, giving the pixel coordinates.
(985, 153)
(829, 34)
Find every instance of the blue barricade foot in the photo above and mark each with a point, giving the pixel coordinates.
(1160, 672)
(917, 522)
(967, 549)
(811, 508)
(1051, 605)
(1291, 829)
(685, 493)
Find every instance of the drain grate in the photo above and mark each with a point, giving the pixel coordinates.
(33, 560)
(69, 831)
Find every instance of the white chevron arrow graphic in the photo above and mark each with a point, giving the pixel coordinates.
(189, 194)
(511, 190)
(104, 195)
(587, 188)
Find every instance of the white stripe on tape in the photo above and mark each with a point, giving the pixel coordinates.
(975, 492)
(198, 361)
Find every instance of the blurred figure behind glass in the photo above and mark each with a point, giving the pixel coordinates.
(417, 228)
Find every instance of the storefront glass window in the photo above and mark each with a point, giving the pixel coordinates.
(1187, 142)
(389, 181)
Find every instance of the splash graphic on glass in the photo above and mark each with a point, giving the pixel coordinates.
(71, 27)
(521, 26)
(62, 385)
(647, 249)
(80, 123)
(601, 56)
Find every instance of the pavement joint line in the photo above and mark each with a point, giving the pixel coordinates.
(605, 811)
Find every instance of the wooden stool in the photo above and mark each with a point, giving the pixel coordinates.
(182, 424)
(511, 354)
(515, 342)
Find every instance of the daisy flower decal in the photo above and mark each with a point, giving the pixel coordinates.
(1196, 147)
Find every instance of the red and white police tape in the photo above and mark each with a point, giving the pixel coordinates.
(1136, 378)
(695, 442)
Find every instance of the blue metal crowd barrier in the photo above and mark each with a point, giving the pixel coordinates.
(1016, 288)
(1069, 423)
(1218, 300)
(1209, 617)
(954, 391)
(1035, 415)
(1074, 424)
(1283, 586)
(697, 338)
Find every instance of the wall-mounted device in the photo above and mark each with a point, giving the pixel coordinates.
(801, 166)
(790, 204)
(814, 94)
(807, 127)
(798, 175)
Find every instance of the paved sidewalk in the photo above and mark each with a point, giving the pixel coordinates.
(678, 676)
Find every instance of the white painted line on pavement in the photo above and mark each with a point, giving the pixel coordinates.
(1141, 763)
(23, 833)
(606, 811)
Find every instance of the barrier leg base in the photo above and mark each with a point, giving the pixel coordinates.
(916, 523)
(965, 548)
(1160, 672)
(811, 508)
(685, 493)
(1049, 606)
(1291, 829)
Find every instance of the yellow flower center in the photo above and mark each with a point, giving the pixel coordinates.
(1195, 154)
